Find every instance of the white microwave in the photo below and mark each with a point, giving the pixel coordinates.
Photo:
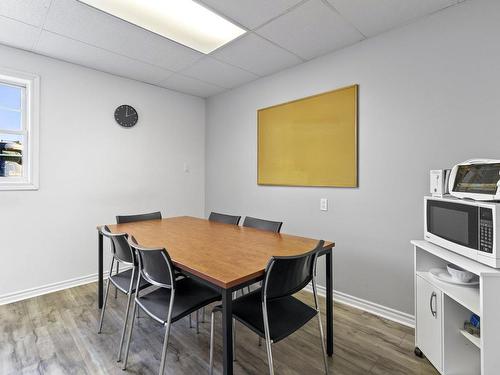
(465, 227)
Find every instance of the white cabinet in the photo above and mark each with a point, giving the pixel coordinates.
(442, 308)
(429, 317)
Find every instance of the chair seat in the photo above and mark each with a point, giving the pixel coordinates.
(122, 280)
(190, 295)
(286, 315)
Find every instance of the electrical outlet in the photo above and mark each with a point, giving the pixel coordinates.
(323, 204)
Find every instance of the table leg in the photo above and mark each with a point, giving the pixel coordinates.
(227, 332)
(100, 279)
(329, 303)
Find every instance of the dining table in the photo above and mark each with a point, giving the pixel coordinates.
(225, 257)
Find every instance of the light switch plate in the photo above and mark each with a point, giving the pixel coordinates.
(323, 204)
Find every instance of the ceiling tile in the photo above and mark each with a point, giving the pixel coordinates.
(257, 55)
(78, 21)
(311, 30)
(218, 73)
(17, 34)
(27, 11)
(251, 13)
(190, 85)
(70, 50)
(373, 17)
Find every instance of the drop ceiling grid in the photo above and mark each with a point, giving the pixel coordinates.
(81, 53)
(18, 34)
(280, 34)
(375, 17)
(78, 21)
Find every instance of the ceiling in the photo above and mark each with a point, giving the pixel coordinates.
(281, 34)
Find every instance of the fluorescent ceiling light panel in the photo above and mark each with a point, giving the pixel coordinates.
(183, 21)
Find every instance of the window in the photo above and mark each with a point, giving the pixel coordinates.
(18, 131)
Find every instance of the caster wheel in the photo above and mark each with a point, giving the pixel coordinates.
(418, 353)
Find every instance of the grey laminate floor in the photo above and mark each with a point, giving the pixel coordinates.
(56, 334)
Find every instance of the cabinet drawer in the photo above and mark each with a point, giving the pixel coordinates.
(429, 318)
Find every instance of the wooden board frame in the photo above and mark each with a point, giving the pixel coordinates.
(329, 170)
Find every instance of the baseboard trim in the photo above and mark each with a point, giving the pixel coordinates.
(368, 306)
(49, 288)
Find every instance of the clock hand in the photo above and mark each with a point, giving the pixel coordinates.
(126, 111)
(131, 114)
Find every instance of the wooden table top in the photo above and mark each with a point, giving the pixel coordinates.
(226, 255)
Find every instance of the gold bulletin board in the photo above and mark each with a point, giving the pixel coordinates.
(310, 141)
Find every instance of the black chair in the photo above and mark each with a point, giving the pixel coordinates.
(223, 218)
(270, 226)
(219, 218)
(173, 300)
(122, 219)
(271, 311)
(267, 225)
(124, 281)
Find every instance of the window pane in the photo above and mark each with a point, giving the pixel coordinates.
(10, 96)
(10, 119)
(11, 155)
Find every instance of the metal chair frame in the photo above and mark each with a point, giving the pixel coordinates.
(171, 285)
(268, 340)
(105, 232)
(133, 244)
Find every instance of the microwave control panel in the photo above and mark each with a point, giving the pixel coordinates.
(486, 230)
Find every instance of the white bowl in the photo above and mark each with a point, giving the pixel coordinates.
(459, 274)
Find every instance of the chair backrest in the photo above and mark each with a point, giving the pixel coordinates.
(286, 275)
(271, 226)
(223, 218)
(119, 246)
(121, 219)
(155, 265)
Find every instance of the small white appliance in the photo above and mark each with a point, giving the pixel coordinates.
(439, 182)
(477, 179)
(466, 227)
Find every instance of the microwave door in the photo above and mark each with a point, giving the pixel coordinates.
(455, 223)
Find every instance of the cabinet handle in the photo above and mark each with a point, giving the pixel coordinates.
(433, 310)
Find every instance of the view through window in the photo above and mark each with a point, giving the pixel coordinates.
(12, 130)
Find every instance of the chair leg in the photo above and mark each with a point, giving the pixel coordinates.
(316, 303)
(269, 356)
(322, 336)
(117, 271)
(125, 325)
(190, 322)
(234, 340)
(164, 350)
(197, 322)
(212, 339)
(260, 341)
(105, 300)
(127, 347)
(268, 340)
(203, 315)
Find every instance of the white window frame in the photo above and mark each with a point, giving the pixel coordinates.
(30, 113)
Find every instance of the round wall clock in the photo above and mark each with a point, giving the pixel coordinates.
(126, 116)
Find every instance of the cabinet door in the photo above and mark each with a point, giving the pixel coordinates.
(429, 317)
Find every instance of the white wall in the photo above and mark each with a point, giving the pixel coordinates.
(92, 169)
(429, 97)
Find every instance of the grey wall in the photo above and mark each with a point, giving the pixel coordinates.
(429, 97)
(92, 169)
